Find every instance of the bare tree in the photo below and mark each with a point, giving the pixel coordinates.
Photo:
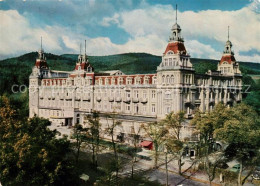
(157, 133)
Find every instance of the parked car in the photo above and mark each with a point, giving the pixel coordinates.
(256, 173)
(235, 168)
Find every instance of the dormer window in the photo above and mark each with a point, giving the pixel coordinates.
(121, 80)
(154, 80)
(146, 80)
(138, 80)
(100, 81)
(107, 81)
(113, 81)
(129, 81)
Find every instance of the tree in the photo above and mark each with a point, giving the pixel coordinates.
(29, 152)
(157, 132)
(206, 124)
(94, 135)
(110, 130)
(242, 134)
(78, 135)
(135, 136)
(175, 122)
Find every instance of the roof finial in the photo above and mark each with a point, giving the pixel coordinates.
(85, 48)
(80, 49)
(176, 13)
(41, 42)
(228, 33)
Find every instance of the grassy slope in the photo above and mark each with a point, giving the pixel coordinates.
(17, 70)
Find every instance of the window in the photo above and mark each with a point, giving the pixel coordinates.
(128, 94)
(146, 80)
(168, 95)
(144, 108)
(154, 79)
(100, 81)
(107, 81)
(172, 79)
(136, 94)
(153, 108)
(153, 93)
(166, 62)
(170, 62)
(138, 80)
(144, 94)
(128, 107)
(129, 81)
(121, 80)
(113, 81)
(168, 109)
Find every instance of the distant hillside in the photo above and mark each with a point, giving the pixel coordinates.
(17, 70)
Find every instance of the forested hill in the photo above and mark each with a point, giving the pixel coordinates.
(17, 70)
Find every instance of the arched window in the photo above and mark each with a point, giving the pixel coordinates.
(168, 79)
(163, 79)
(172, 79)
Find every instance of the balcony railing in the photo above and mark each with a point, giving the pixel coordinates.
(118, 99)
(144, 100)
(135, 100)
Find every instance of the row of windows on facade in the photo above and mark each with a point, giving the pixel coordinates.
(219, 82)
(101, 81)
(225, 70)
(129, 80)
(49, 93)
(174, 62)
(170, 79)
(108, 107)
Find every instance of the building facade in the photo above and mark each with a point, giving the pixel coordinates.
(67, 97)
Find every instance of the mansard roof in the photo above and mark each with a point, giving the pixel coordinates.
(228, 58)
(40, 63)
(176, 47)
(83, 66)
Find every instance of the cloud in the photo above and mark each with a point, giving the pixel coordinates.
(208, 24)
(148, 28)
(107, 21)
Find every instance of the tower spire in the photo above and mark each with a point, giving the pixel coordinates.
(228, 33)
(85, 48)
(80, 49)
(176, 13)
(41, 42)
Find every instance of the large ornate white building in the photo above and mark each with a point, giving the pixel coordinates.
(67, 97)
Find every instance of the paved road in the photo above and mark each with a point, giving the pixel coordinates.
(173, 179)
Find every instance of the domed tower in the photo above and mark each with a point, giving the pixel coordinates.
(228, 65)
(175, 60)
(39, 71)
(174, 74)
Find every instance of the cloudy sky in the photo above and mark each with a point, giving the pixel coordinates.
(120, 26)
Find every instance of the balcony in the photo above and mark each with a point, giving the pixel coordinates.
(144, 100)
(86, 98)
(111, 99)
(118, 99)
(127, 100)
(197, 101)
(187, 101)
(135, 100)
(77, 98)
